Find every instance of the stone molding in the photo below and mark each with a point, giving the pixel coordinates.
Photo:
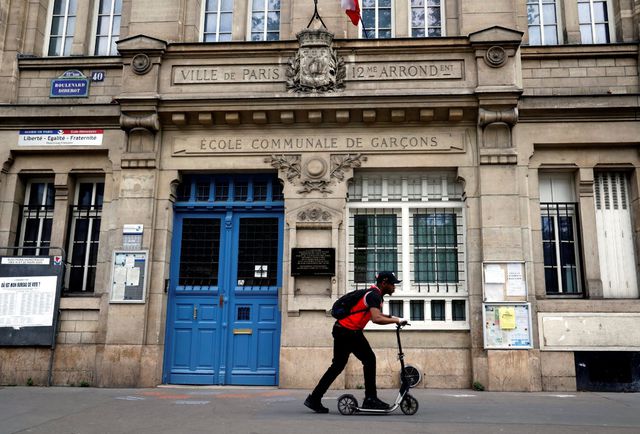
(314, 214)
(313, 177)
(141, 64)
(495, 56)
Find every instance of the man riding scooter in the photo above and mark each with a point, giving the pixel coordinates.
(348, 338)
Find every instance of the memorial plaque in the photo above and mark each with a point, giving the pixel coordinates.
(313, 262)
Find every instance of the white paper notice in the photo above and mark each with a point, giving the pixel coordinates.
(119, 275)
(493, 292)
(118, 291)
(515, 284)
(129, 262)
(133, 276)
(493, 273)
(27, 301)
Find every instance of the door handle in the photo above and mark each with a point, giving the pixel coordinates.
(221, 301)
(195, 312)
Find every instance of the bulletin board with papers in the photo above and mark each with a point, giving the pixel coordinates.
(30, 288)
(504, 281)
(129, 276)
(507, 326)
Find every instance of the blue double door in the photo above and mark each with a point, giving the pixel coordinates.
(223, 318)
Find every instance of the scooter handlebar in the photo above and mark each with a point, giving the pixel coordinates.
(402, 324)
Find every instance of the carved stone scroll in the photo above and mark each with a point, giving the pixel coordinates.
(149, 122)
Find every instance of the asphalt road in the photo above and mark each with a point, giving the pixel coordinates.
(71, 410)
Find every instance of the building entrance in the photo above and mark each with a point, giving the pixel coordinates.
(223, 319)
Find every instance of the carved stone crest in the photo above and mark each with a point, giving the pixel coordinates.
(316, 66)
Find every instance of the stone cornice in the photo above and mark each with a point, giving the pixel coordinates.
(41, 115)
(579, 108)
(579, 51)
(241, 49)
(75, 62)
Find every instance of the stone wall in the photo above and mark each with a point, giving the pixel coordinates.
(555, 71)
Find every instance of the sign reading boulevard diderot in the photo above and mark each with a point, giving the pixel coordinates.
(254, 142)
(365, 71)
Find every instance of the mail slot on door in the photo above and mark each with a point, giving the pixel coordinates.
(242, 331)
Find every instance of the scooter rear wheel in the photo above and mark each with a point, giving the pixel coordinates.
(347, 404)
(409, 405)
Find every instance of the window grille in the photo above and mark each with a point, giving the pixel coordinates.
(36, 218)
(265, 20)
(199, 252)
(258, 252)
(405, 188)
(375, 244)
(244, 313)
(542, 16)
(593, 16)
(218, 20)
(260, 190)
(560, 248)
(437, 245)
(426, 18)
(63, 23)
(108, 27)
(86, 216)
(411, 224)
(377, 19)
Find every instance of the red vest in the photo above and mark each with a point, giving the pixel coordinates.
(359, 320)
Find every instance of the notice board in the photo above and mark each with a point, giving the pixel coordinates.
(504, 281)
(507, 326)
(30, 289)
(129, 276)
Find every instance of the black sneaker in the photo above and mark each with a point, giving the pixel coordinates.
(375, 404)
(315, 405)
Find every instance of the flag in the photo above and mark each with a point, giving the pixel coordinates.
(352, 8)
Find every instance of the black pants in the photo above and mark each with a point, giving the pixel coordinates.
(345, 342)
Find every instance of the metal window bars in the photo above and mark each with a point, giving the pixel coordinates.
(83, 240)
(437, 250)
(561, 250)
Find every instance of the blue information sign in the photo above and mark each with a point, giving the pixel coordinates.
(71, 84)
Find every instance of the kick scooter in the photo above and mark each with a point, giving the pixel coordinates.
(409, 377)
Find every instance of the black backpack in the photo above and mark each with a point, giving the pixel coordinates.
(342, 306)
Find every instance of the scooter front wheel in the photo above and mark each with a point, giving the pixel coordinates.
(347, 404)
(409, 405)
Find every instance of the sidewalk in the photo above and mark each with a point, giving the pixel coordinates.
(280, 411)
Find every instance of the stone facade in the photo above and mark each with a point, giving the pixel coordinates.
(479, 104)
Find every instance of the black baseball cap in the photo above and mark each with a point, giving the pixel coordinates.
(388, 276)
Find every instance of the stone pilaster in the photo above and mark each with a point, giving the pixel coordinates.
(133, 327)
(500, 183)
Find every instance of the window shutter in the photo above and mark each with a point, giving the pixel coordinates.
(615, 236)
